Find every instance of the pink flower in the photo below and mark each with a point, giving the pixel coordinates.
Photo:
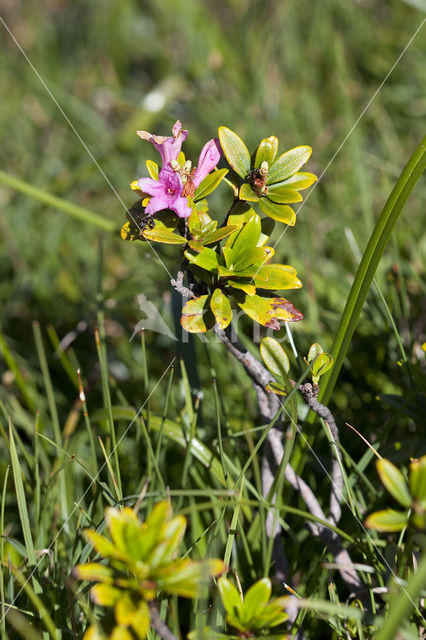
(166, 193)
(176, 182)
(209, 157)
(168, 146)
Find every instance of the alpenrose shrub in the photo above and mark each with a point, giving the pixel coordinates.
(227, 265)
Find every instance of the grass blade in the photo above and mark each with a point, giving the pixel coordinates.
(369, 263)
(57, 203)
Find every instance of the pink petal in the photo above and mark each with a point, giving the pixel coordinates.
(168, 146)
(209, 157)
(151, 187)
(181, 208)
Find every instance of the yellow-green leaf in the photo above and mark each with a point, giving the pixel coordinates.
(254, 600)
(279, 212)
(219, 234)
(160, 234)
(281, 195)
(221, 308)
(235, 151)
(322, 363)
(418, 478)
(277, 276)
(202, 257)
(153, 169)
(298, 181)
(387, 520)
(288, 163)
(247, 238)
(209, 184)
(248, 288)
(105, 594)
(314, 350)
(121, 633)
(229, 595)
(394, 482)
(246, 193)
(93, 572)
(197, 316)
(266, 151)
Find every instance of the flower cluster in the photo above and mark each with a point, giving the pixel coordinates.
(176, 182)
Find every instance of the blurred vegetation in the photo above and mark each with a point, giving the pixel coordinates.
(303, 71)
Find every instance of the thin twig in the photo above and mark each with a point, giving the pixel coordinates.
(158, 624)
(309, 394)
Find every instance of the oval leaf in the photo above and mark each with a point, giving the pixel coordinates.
(298, 181)
(221, 308)
(277, 276)
(209, 184)
(247, 193)
(229, 595)
(314, 350)
(152, 169)
(255, 600)
(322, 363)
(235, 151)
(394, 482)
(196, 315)
(266, 152)
(288, 163)
(387, 520)
(283, 196)
(280, 212)
(274, 357)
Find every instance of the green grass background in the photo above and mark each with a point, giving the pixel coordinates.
(301, 70)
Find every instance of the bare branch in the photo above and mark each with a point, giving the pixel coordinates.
(158, 624)
(309, 393)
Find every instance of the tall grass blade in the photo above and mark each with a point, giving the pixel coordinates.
(369, 263)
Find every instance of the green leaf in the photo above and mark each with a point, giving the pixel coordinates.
(418, 478)
(279, 212)
(196, 315)
(161, 233)
(277, 276)
(394, 482)
(288, 163)
(314, 350)
(202, 257)
(229, 595)
(209, 184)
(120, 633)
(298, 181)
(387, 520)
(160, 513)
(274, 357)
(221, 308)
(257, 256)
(235, 151)
(266, 151)
(219, 234)
(247, 238)
(322, 363)
(281, 195)
(153, 169)
(246, 193)
(254, 600)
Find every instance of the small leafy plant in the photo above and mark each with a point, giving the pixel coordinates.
(140, 559)
(411, 496)
(228, 266)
